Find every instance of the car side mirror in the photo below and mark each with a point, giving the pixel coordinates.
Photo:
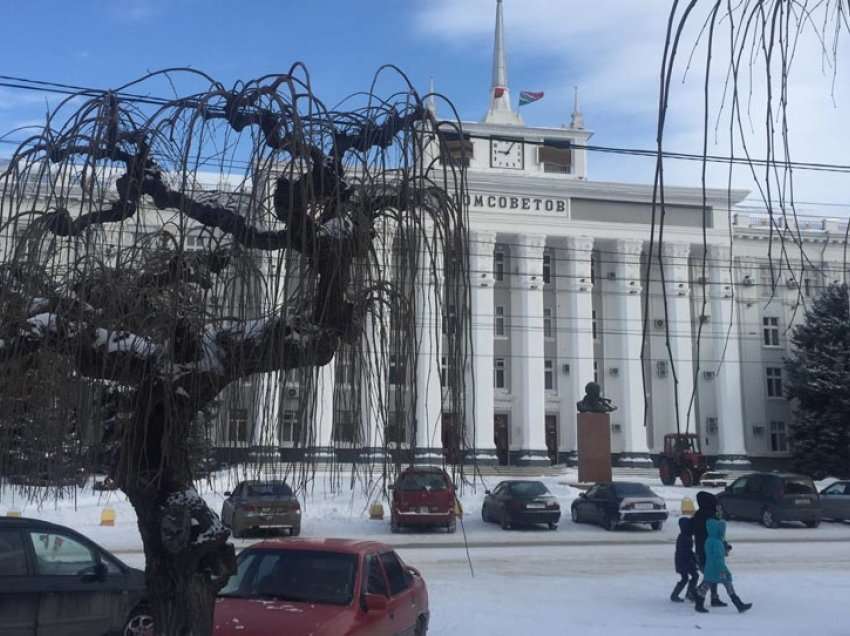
(376, 603)
(93, 574)
(227, 493)
(583, 495)
(487, 492)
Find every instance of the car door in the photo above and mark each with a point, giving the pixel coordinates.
(376, 622)
(835, 501)
(76, 597)
(584, 505)
(733, 496)
(18, 596)
(402, 606)
(600, 502)
(495, 503)
(227, 507)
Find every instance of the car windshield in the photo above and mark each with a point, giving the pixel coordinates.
(410, 482)
(799, 486)
(633, 490)
(528, 489)
(267, 489)
(299, 576)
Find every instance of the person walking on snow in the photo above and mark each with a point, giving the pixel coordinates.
(686, 563)
(707, 509)
(715, 570)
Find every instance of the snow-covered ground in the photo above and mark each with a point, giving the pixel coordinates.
(577, 579)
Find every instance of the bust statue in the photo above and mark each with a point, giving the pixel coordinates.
(593, 402)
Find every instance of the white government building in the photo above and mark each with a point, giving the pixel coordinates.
(558, 297)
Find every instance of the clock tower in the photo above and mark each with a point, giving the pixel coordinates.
(500, 111)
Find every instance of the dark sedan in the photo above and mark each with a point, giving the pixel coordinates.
(54, 581)
(513, 503)
(612, 504)
(261, 505)
(835, 501)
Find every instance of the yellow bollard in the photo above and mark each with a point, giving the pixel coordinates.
(688, 506)
(107, 517)
(14, 513)
(458, 509)
(376, 511)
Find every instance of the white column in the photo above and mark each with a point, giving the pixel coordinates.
(429, 400)
(322, 441)
(478, 424)
(676, 276)
(727, 360)
(623, 333)
(527, 369)
(574, 332)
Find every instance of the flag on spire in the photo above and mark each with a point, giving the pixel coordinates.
(498, 91)
(527, 97)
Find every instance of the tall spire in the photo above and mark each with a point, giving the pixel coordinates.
(577, 121)
(431, 101)
(500, 111)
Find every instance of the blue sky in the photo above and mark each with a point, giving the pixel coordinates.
(611, 48)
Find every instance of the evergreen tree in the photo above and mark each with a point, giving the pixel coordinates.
(819, 382)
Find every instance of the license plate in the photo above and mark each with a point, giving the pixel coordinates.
(801, 502)
(424, 509)
(535, 506)
(644, 506)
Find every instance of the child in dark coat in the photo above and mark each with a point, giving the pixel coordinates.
(714, 569)
(686, 562)
(707, 510)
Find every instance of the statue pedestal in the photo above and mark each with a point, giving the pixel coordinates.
(594, 447)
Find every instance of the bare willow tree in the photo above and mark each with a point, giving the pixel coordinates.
(745, 54)
(298, 209)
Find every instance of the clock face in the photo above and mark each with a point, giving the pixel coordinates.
(506, 153)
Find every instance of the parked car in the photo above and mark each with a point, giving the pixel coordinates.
(835, 501)
(772, 498)
(56, 582)
(322, 587)
(261, 505)
(612, 504)
(423, 497)
(520, 502)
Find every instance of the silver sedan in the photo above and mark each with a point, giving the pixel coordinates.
(835, 501)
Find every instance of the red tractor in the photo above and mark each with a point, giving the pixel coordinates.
(682, 458)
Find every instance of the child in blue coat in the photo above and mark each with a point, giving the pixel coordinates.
(715, 570)
(686, 562)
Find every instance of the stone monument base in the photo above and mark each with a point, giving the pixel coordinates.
(594, 447)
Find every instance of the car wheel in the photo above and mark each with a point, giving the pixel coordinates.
(553, 525)
(610, 524)
(139, 623)
(294, 531)
(484, 517)
(421, 626)
(665, 471)
(656, 525)
(813, 524)
(505, 521)
(767, 519)
(574, 514)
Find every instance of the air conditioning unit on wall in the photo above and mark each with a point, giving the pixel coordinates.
(711, 424)
(659, 323)
(661, 368)
(292, 393)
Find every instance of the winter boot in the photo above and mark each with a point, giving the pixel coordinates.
(691, 594)
(700, 604)
(676, 590)
(740, 605)
(716, 602)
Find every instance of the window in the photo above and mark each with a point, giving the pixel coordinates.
(592, 270)
(59, 555)
(547, 323)
(740, 486)
(397, 370)
(455, 148)
(547, 268)
(499, 373)
(774, 382)
(449, 320)
(344, 368)
(288, 427)
(345, 426)
(770, 325)
(549, 375)
(807, 287)
(596, 371)
(500, 321)
(778, 437)
(593, 324)
(238, 425)
(397, 576)
(555, 155)
(447, 371)
(13, 560)
(499, 266)
(375, 581)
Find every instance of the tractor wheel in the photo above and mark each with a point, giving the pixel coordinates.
(687, 477)
(665, 471)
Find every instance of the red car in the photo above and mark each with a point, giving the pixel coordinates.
(423, 497)
(322, 587)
